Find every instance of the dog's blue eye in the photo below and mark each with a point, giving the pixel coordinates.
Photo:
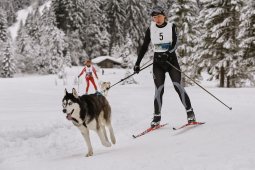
(70, 103)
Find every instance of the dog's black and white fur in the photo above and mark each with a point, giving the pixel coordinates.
(89, 112)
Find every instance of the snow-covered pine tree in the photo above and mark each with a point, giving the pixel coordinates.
(52, 43)
(183, 14)
(232, 22)
(93, 47)
(219, 43)
(247, 30)
(3, 34)
(26, 51)
(74, 48)
(10, 11)
(60, 46)
(199, 49)
(77, 13)
(246, 37)
(70, 14)
(115, 11)
(94, 32)
(204, 49)
(19, 4)
(165, 3)
(61, 14)
(32, 24)
(8, 65)
(3, 25)
(136, 22)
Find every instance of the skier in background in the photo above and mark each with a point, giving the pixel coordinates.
(89, 69)
(163, 36)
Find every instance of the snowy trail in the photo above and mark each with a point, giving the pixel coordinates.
(34, 133)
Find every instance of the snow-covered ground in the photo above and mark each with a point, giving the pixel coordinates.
(35, 135)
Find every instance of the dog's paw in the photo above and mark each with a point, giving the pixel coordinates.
(89, 154)
(107, 144)
(114, 141)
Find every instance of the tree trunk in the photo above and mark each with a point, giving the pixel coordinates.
(222, 76)
(110, 47)
(228, 81)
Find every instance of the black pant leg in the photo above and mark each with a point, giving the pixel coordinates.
(159, 80)
(175, 76)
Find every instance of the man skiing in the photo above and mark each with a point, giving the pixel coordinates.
(89, 69)
(163, 36)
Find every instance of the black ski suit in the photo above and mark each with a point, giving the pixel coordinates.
(160, 67)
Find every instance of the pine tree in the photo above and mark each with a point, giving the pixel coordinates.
(203, 50)
(8, 5)
(199, 49)
(116, 13)
(78, 14)
(3, 25)
(183, 14)
(93, 47)
(136, 22)
(74, 48)
(32, 24)
(219, 43)
(70, 14)
(61, 14)
(247, 29)
(26, 51)
(104, 43)
(52, 43)
(94, 33)
(8, 66)
(246, 37)
(3, 35)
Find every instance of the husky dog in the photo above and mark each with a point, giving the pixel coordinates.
(89, 112)
(104, 86)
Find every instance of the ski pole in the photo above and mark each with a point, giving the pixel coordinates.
(130, 75)
(78, 79)
(230, 108)
(78, 84)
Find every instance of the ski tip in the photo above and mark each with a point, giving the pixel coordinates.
(134, 136)
(200, 123)
(196, 123)
(189, 124)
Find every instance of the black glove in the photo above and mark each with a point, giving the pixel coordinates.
(136, 69)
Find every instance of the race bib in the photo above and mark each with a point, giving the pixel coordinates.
(162, 47)
(161, 38)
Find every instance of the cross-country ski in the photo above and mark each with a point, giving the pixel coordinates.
(192, 124)
(149, 130)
